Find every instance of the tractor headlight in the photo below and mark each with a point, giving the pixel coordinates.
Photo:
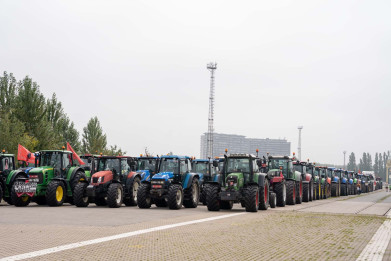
(100, 179)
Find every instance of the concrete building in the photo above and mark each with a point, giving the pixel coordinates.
(240, 144)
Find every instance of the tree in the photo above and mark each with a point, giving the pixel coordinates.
(114, 151)
(382, 171)
(352, 162)
(369, 162)
(376, 165)
(7, 92)
(94, 141)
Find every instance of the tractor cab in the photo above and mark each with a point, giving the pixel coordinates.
(7, 163)
(280, 165)
(147, 166)
(90, 162)
(57, 160)
(112, 168)
(207, 167)
(239, 170)
(331, 173)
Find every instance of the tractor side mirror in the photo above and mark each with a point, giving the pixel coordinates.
(215, 163)
(259, 163)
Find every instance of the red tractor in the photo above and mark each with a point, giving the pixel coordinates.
(308, 182)
(108, 185)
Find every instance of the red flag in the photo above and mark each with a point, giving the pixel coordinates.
(75, 156)
(25, 155)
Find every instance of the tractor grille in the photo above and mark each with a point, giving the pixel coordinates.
(36, 178)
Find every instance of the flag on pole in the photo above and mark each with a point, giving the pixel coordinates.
(74, 154)
(25, 155)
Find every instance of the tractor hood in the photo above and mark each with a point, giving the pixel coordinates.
(144, 174)
(103, 174)
(102, 177)
(274, 172)
(40, 169)
(235, 180)
(163, 175)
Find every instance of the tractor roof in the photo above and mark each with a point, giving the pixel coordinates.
(201, 160)
(116, 157)
(279, 157)
(174, 157)
(6, 155)
(144, 157)
(64, 151)
(240, 155)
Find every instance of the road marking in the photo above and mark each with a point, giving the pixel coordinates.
(114, 237)
(377, 246)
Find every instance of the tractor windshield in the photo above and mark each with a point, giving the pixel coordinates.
(310, 170)
(278, 164)
(169, 165)
(300, 168)
(109, 164)
(7, 163)
(146, 164)
(201, 167)
(330, 173)
(317, 172)
(238, 165)
(52, 159)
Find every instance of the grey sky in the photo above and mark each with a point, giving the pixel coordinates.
(140, 66)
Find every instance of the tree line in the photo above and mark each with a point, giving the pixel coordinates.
(366, 164)
(39, 123)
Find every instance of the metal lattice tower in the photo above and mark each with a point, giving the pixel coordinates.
(299, 147)
(209, 145)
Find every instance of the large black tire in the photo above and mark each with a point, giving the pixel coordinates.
(291, 192)
(193, 195)
(263, 196)
(80, 195)
(306, 192)
(280, 190)
(212, 197)
(131, 198)
(355, 189)
(344, 189)
(79, 176)
(1, 192)
(251, 198)
(299, 194)
(334, 187)
(273, 200)
(160, 203)
(315, 192)
(144, 196)
(8, 200)
(175, 196)
(115, 195)
(19, 201)
(203, 196)
(311, 191)
(226, 204)
(55, 193)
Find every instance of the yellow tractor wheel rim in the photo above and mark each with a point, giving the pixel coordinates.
(59, 193)
(25, 198)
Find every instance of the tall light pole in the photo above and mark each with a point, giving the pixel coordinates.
(209, 145)
(299, 147)
(344, 158)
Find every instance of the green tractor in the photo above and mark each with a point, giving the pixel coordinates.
(286, 182)
(311, 169)
(240, 182)
(8, 175)
(52, 182)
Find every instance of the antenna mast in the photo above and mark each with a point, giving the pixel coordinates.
(299, 147)
(209, 145)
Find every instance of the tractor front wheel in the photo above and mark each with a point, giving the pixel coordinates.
(311, 191)
(194, 195)
(280, 189)
(291, 192)
(21, 201)
(115, 195)
(264, 196)
(143, 196)
(55, 193)
(131, 199)
(212, 197)
(175, 196)
(299, 194)
(273, 200)
(251, 198)
(80, 196)
(306, 192)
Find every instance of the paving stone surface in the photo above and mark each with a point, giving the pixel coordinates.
(333, 229)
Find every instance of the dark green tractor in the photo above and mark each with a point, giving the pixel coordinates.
(52, 182)
(240, 182)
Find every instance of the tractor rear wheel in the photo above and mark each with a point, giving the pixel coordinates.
(311, 191)
(143, 196)
(79, 176)
(273, 200)
(131, 199)
(115, 195)
(306, 192)
(291, 192)
(355, 189)
(19, 201)
(227, 204)
(193, 195)
(212, 197)
(55, 193)
(263, 197)
(175, 196)
(280, 190)
(299, 194)
(334, 187)
(80, 195)
(203, 196)
(160, 203)
(251, 198)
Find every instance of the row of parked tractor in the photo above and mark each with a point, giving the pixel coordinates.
(60, 176)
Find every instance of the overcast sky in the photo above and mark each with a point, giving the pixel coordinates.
(140, 66)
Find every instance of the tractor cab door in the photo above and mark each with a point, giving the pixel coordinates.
(125, 169)
(184, 167)
(66, 163)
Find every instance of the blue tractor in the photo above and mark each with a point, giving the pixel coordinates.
(344, 181)
(208, 169)
(335, 182)
(174, 185)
